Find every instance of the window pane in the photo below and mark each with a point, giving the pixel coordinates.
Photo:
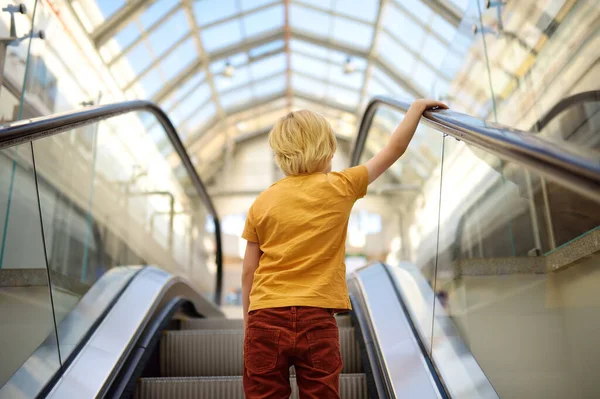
(308, 86)
(201, 117)
(268, 66)
(363, 9)
(181, 57)
(182, 90)
(168, 33)
(108, 8)
(404, 28)
(270, 87)
(398, 57)
(434, 51)
(139, 58)
(208, 11)
(443, 28)
(308, 48)
(352, 32)
(128, 35)
(424, 77)
(309, 20)
(155, 12)
(325, 4)
(263, 21)
(310, 66)
(265, 48)
(236, 98)
(221, 35)
(151, 82)
(343, 96)
(251, 4)
(420, 10)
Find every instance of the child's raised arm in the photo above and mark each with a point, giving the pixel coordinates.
(400, 138)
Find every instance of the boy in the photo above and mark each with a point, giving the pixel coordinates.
(294, 277)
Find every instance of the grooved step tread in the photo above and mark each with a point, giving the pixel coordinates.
(193, 353)
(352, 386)
(237, 324)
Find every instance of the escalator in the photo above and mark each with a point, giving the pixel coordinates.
(437, 321)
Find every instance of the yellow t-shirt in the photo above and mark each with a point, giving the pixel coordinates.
(300, 223)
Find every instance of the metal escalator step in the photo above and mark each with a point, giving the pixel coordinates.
(219, 352)
(237, 324)
(352, 386)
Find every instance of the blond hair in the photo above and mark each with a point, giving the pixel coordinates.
(303, 142)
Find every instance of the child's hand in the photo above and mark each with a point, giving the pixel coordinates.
(425, 104)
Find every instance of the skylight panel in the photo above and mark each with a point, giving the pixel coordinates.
(263, 21)
(209, 11)
(221, 35)
(364, 9)
(309, 20)
(268, 66)
(354, 33)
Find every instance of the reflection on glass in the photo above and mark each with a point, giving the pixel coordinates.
(518, 267)
(15, 36)
(26, 321)
(404, 198)
(537, 55)
(110, 198)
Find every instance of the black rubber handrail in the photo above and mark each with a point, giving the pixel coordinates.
(28, 130)
(565, 103)
(576, 168)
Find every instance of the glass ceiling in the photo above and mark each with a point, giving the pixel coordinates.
(235, 66)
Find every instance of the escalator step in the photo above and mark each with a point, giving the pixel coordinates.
(352, 386)
(193, 353)
(237, 324)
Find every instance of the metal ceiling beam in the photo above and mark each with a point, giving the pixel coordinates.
(224, 53)
(353, 51)
(278, 34)
(203, 56)
(369, 70)
(119, 20)
(445, 10)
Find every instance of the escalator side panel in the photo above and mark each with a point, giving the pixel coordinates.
(405, 364)
(92, 371)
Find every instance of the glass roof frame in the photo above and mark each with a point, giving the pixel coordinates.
(263, 45)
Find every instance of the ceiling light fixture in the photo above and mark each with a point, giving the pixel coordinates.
(349, 66)
(229, 70)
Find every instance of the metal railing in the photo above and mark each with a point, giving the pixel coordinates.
(28, 130)
(574, 167)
